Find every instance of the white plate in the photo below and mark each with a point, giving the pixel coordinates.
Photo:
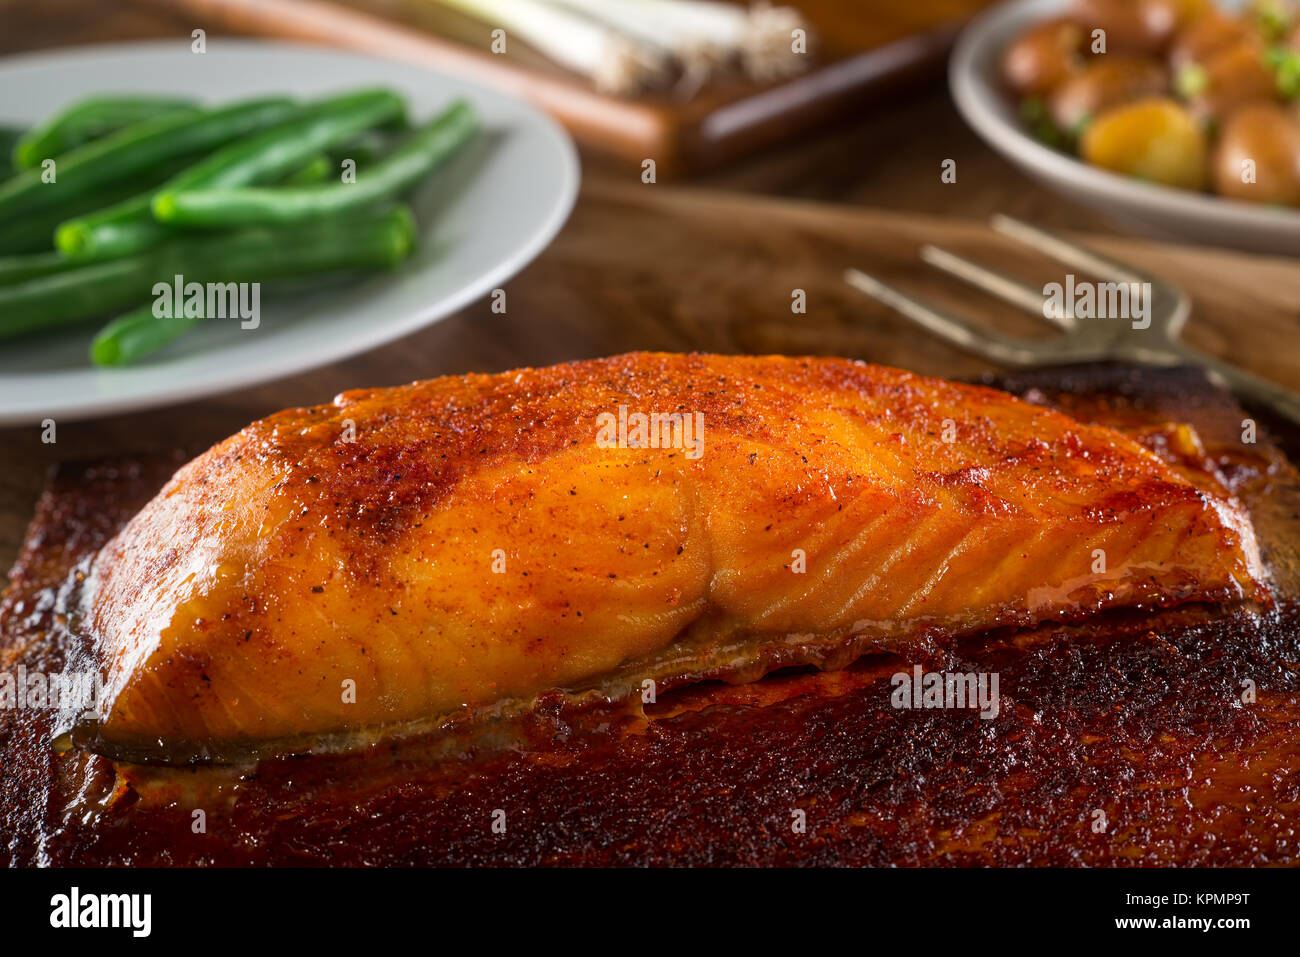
(483, 217)
(973, 75)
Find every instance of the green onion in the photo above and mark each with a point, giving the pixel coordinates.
(706, 35)
(1034, 113)
(627, 46)
(614, 62)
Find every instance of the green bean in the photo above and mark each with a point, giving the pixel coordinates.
(130, 227)
(34, 232)
(136, 149)
(136, 334)
(8, 138)
(27, 235)
(408, 164)
(312, 172)
(374, 240)
(119, 230)
(88, 290)
(88, 120)
(21, 268)
(370, 147)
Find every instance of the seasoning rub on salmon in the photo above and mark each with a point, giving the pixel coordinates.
(404, 552)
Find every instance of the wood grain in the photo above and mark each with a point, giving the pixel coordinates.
(657, 267)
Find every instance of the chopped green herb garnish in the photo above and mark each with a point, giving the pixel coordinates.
(1192, 80)
(1285, 64)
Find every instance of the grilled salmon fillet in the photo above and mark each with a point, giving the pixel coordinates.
(404, 553)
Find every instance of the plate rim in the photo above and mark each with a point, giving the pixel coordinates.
(327, 349)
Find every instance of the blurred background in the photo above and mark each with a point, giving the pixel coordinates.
(855, 129)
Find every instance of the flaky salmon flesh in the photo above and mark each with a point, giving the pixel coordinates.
(411, 552)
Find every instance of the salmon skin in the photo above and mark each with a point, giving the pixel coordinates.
(407, 553)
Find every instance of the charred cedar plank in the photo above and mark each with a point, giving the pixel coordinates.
(1136, 717)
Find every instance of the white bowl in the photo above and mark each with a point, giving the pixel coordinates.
(1196, 217)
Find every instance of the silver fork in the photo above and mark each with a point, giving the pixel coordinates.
(1085, 340)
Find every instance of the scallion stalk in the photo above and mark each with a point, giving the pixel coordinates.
(706, 33)
(615, 62)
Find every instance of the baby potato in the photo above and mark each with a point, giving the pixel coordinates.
(1172, 16)
(1205, 36)
(1260, 142)
(1043, 57)
(1155, 139)
(1139, 26)
(1188, 11)
(1105, 82)
(1229, 79)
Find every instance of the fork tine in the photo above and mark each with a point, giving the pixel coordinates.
(1174, 303)
(1064, 251)
(988, 343)
(996, 284)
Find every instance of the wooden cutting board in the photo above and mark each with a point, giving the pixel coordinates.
(658, 267)
(865, 50)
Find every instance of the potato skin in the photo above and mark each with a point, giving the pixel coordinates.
(1043, 57)
(1189, 11)
(1205, 36)
(1133, 26)
(1233, 77)
(1155, 139)
(1107, 81)
(1269, 136)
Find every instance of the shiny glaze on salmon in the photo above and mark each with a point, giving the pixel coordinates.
(403, 553)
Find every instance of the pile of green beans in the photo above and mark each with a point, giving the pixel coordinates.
(191, 204)
(115, 195)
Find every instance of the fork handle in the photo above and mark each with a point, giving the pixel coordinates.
(1281, 400)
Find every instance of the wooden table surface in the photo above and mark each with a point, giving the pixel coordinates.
(708, 264)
